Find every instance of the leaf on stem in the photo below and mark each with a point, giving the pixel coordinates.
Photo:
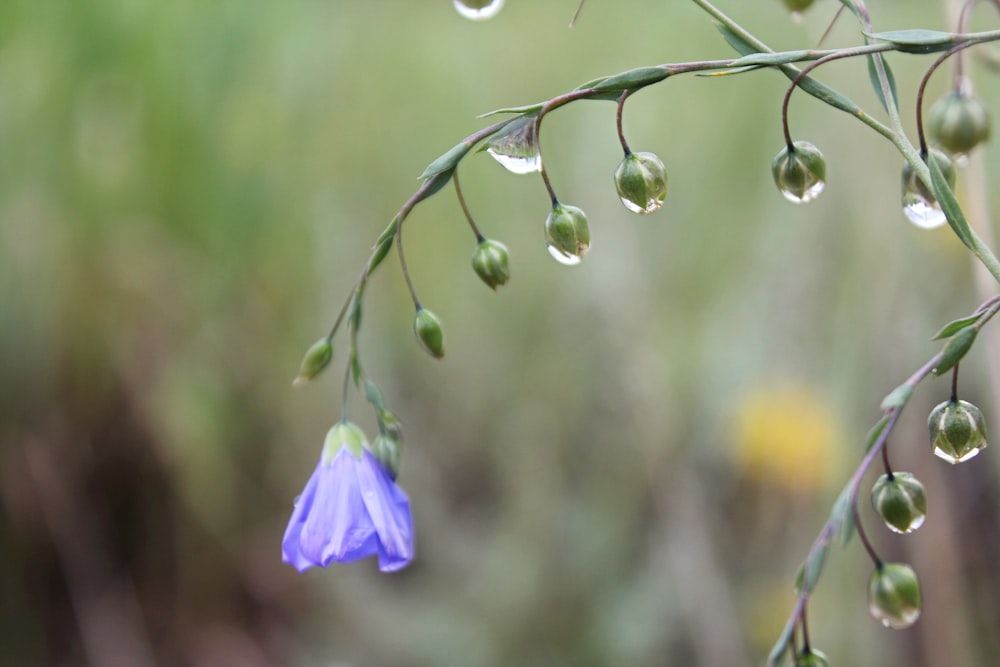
(771, 59)
(877, 85)
(949, 204)
(446, 162)
(809, 573)
(741, 46)
(632, 79)
(897, 398)
(955, 326)
(917, 41)
(841, 516)
(955, 349)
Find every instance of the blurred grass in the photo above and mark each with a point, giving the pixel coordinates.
(187, 190)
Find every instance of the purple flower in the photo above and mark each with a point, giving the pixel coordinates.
(350, 509)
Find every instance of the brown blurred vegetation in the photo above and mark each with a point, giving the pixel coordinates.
(621, 463)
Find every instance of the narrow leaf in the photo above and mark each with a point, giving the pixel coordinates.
(842, 517)
(446, 162)
(777, 655)
(897, 398)
(826, 94)
(811, 569)
(632, 79)
(850, 4)
(374, 395)
(953, 327)
(529, 108)
(955, 349)
(949, 204)
(917, 41)
(741, 46)
(771, 59)
(873, 435)
(383, 245)
(727, 72)
(877, 85)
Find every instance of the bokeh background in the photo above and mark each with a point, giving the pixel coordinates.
(620, 463)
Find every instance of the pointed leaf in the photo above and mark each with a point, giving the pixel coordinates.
(771, 59)
(850, 4)
(917, 41)
(873, 435)
(632, 79)
(953, 327)
(727, 72)
(446, 162)
(877, 85)
(809, 573)
(842, 517)
(741, 46)
(955, 349)
(949, 204)
(374, 396)
(529, 108)
(776, 657)
(382, 246)
(897, 398)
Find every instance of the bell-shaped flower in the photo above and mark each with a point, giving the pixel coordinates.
(350, 509)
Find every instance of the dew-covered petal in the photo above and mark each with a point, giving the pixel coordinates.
(389, 510)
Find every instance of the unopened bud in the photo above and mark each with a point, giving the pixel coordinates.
(567, 234)
(429, 332)
(799, 172)
(344, 434)
(894, 595)
(959, 122)
(388, 453)
(491, 263)
(810, 657)
(641, 181)
(901, 502)
(317, 358)
(957, 431)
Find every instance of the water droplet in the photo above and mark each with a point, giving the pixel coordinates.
(921, 212)
(515, 163)
(652, 204)
(478, 10)
(797, 17)
(951, 458)
(915, 523)
(805, 196)
(564, 258)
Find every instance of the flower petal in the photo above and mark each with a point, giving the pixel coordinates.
(291, 543)
(388, 509)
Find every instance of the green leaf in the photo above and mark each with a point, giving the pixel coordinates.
(771, 59)
(873, 435)
(374, 395)
(383, 245)
(527, 109)
(897, 398)
(728, 72)
(955, 349)
(842, 516)
(632, 79)
(850, 4)
(949, 204)
(741, 46)
(777, 655)
(826, 94)
(446, 162)
(954, 326)
(877, 85)
(917, 41)
(809, 573)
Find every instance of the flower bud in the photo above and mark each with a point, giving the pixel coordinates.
(478, 10)
(959, 122)
(491, 263)
(901, 502)
(567, 234)
(811, 658)
(799, 172)
(317, 358)
(894, 595)
(388, 453)
(344, 434)
(919, 203)
(957, 430)
(641, 181)
(429, 331)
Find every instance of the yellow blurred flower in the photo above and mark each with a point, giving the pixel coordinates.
(786, 436)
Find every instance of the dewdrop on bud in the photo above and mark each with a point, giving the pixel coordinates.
(641, 181)
(901, 502)
(811, 658)
(515, 146)
(799, 172)
(429, 332)
(959, 122)
(317, 358)
(957, 430)
(491, 262)
(478, 10)
(567, 234)
(894, 595)
(919, 203)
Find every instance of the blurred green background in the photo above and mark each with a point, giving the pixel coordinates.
(620, 463)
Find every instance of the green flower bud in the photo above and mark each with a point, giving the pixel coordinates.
(429, 331)
(919, 203)
(799, 172)
(490, 262)
(478, 10)
(957, 430)
(811, 658)
(900, 501)
(317, 358)
(388, 453)
(344, 434)
(641, 181)
(567, 234)
(959, 122)
(894, 595)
